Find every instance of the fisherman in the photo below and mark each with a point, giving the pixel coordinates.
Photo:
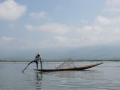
(36, 60)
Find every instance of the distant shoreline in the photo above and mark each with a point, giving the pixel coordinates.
(58, 60)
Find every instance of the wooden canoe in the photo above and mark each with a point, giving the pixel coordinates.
(70, 69)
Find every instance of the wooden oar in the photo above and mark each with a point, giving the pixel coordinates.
(25, 68)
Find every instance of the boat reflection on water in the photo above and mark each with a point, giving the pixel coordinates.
(38, 76)
(85, 74)
(34, 80)
(38, 79)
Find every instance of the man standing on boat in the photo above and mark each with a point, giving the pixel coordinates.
(36, 60)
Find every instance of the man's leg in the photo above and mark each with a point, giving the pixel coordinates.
(30, 62)
(37, 65)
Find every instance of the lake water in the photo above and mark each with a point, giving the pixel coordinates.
(102, 77)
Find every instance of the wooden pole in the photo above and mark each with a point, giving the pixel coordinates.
(25, 68)
(41, 64)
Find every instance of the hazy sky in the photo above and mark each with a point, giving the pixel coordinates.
(36, 24)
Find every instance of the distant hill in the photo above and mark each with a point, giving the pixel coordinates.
(89, 53)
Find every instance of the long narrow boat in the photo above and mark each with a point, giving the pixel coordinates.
(70, 69)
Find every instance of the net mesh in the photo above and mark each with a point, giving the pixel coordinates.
(66, 64)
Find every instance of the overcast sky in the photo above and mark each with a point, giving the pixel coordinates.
(36, 24)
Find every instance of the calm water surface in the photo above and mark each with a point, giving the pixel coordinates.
(102, 77)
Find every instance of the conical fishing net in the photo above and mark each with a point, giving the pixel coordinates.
(66, 64)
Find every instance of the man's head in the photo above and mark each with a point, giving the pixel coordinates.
(38, 54)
